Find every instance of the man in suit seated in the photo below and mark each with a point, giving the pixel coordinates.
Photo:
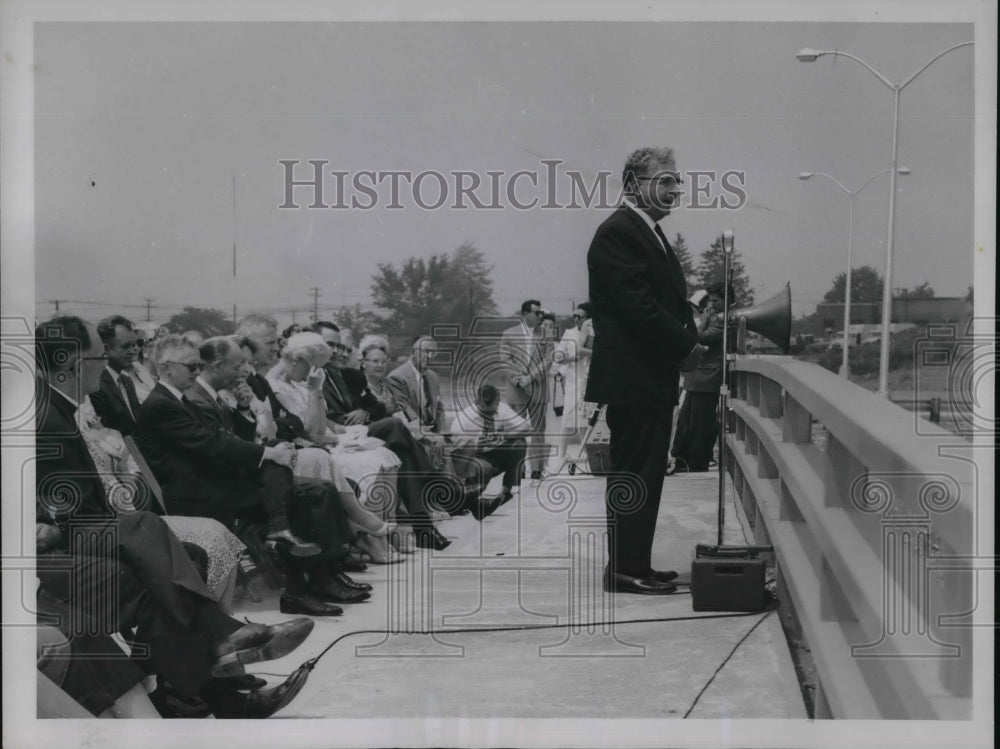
(206, 470)
(489, 430)
(124, 570)
(115, 399)
(262, 332)
(526, 356)
(417, 389)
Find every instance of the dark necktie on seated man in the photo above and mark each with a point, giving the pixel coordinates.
(428, 403)
(129, 395)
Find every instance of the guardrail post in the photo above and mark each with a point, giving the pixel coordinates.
(796, 422)
(770, 399)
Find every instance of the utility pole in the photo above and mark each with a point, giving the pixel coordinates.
(315, 293)
(234, 313)
(148, 307)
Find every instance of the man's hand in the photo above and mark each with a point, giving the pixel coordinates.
(692, 360)
(281, 453)
(243, 393)
(46, 537)
(357, 416)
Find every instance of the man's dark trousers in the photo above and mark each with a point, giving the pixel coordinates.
(640, 438)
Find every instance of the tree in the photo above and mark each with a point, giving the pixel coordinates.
(683, 255)
(711, 267)
(866, 286)
(923, 291)
(451, 288)
(208, 322)
(360, 322)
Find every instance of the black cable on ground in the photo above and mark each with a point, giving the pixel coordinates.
(311, 663)
(727, 659)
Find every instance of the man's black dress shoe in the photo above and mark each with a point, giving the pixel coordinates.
(430, 538)
(664, 576)
(484, 506)
(342, 578)
(245, 681)
(308, 605)
(288, 543)
(505, 496)
(536, 475)
(338, 593)
(350, 563)
(170, 704)
(648, 586)
(263, 703)
(253, 643)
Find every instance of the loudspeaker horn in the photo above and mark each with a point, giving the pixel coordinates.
(771, 319)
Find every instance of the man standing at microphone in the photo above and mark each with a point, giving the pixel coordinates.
(644, 336)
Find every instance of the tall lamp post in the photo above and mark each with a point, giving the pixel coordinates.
(811, 55)
(844, 371)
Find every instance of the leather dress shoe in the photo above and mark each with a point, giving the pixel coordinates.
(308, 605)
(170, 704)
(430, 538)
(505, 496)
(287, 542)
(342, 578)
(263, 703)
(648, 585)
(245, 681)
(351, 563)
(536, 475)
(484, 506)
(664, 576)
(253, 643)
(337, 593)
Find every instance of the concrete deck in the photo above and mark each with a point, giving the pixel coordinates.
(537, 562)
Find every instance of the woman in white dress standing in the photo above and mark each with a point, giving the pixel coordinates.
(571, 361)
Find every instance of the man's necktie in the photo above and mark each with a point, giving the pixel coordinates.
(671, 257)
(428, 405)
(128, 393)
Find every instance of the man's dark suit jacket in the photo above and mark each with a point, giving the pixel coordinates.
(109, 404)
(340, 398)
(643, 326)
(357, 386)
(203, 470)
(242, 426)
(66, 478)
(290, 426)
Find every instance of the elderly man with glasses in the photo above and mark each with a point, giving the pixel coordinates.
(644, 337)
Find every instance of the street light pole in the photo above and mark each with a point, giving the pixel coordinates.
(811, 55)
(844, 370)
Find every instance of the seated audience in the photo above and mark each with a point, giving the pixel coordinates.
(296, 382)
(125, 570)
(206, 470)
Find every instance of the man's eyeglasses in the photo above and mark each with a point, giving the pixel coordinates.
(192, 366)
(536, 312)
(102, 357)
(577, 317)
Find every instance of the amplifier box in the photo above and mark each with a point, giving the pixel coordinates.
(727, 580)
(598, 447)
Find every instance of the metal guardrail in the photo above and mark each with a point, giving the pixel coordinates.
(873, 527)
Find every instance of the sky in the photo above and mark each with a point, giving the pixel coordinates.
(141, 130)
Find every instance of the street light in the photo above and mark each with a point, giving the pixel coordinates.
(844, 371)
(811, 55)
